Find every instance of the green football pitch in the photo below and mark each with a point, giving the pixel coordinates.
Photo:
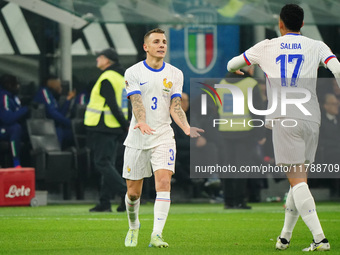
(190, 229)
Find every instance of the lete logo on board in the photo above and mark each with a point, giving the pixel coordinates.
(15, 191)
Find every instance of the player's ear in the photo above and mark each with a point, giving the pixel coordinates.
(145, 47)
(281, 24)
(303, 23)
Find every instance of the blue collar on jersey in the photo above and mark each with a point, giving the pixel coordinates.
(292, 34)
(152, 69)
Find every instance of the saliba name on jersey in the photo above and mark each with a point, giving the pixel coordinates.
(290, 46)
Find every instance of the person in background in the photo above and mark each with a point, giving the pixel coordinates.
(11, 113)
(240, 141)
(329, 138)
(48, 94)
(106, 120)
(81, 99)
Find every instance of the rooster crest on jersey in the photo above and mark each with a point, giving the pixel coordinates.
(167, 84)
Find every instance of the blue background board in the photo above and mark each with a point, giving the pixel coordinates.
(228, 38)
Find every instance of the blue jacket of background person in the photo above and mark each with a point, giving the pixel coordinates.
(53, 111)
(11, 110)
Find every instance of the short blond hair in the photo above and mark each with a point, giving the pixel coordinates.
(155, 30)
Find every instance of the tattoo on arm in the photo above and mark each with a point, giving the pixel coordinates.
(177, 109)
(138, 107)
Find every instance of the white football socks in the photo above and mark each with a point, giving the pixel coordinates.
(132, 209)
(161, 210)
(305, 205)
(291, 217)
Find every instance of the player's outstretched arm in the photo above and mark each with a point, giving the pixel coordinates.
(139, 113)
(235, 64)
(334, 66)
(180, 118)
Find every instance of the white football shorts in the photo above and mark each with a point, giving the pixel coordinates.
(139, 164)
(295, 145)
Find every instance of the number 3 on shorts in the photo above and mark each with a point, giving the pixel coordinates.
(172, 155)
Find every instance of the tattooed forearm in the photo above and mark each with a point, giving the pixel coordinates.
(179, 113)
(138, 107)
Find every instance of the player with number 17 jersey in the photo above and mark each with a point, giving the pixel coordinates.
(157, 87)
(291, 61)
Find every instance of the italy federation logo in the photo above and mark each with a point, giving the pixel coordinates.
(200, 47)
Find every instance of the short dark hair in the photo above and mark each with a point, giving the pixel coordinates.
(110, 53)
(155, 30)
(10, 83)
(8, 80)
(292, 16)
(48, 77)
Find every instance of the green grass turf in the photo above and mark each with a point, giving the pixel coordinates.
(190, 229)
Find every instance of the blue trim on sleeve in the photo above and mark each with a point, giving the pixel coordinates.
(134, 92)
(152, 69)
(329, 58)
(176, 95)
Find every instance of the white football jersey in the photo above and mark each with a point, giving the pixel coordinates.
(157, 87)
(291, 62)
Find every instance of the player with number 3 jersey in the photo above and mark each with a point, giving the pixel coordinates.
(157, 87)
(154, 88)
(290, 63)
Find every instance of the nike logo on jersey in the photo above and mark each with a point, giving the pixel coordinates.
(142, 83)
(170, 164)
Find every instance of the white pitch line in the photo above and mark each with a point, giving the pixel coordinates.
(65, 219)
(148, 219)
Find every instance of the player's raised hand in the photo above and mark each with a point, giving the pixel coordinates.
(71, 94)
(195, 132)
(144, 128)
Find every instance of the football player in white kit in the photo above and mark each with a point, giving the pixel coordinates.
(154, 88)
(291, 62)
